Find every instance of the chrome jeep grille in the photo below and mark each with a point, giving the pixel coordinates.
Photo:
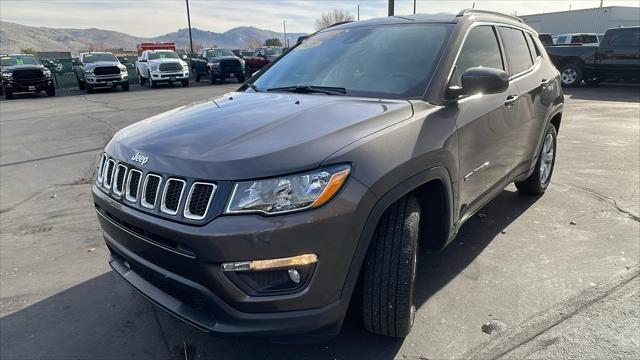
(152, 192)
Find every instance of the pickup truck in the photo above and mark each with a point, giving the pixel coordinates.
(100, 69)
(158, 66)
(261, 58)
(218, 64)
(24, 73)
(616, 58)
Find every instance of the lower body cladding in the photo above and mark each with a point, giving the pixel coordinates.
(245, 275)
(178, 76)
(108, 80)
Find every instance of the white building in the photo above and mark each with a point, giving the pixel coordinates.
(596, 20)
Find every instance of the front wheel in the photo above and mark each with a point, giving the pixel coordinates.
(212, 78)
(241, 79)
(8, 95)
(571, 75)
(51, 91)
(89, 89)
(80, 84)
(125, 87)
(197, 75)
(185, 82)
(538, 181)
(140, 80)
(389, 272)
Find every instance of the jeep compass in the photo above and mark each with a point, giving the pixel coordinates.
(257, 213)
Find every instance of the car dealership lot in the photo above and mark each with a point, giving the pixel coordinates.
(560, 271)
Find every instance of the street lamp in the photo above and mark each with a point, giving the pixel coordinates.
(189, 21)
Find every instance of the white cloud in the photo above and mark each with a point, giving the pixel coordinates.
(156, 17)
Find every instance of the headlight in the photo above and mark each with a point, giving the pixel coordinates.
(7, 76)
(154, 67)
(287, 193)
(89, 71)
(123, 69)
(241, 62)
(46, 72)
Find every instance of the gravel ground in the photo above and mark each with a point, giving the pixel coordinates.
(559, 273)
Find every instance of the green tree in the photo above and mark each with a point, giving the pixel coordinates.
(273, 42)
(28, 51)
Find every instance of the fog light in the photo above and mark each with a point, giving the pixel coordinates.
(305, 259)
(294, 275)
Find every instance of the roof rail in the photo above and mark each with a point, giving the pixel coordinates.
(338, 23)
(488, 12)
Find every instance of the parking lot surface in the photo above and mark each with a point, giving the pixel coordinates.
(558, 273)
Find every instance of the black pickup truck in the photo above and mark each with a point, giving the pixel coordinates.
(21, 73)
(616, 58)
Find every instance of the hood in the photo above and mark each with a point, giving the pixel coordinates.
(220, 58)
(253, 135)
(102, 63)
(165, 61)
(9, 69)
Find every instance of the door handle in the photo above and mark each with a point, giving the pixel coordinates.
(511, 99)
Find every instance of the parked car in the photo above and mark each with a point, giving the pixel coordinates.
(22, 73)
(584, 39)
(617, 58)
(218, 64)
(257, 214)
(261, 57)
(161, 66)
(99, 70)
(545, 39)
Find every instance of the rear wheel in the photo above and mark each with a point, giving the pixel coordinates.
(571, 75)
(388, 279)
(539, 180)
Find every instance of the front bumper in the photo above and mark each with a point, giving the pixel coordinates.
(228, 72)
(162, 76)
(107, 80)
(193, 287)
(17, 86)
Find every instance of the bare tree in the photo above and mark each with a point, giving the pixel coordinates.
(332, 17)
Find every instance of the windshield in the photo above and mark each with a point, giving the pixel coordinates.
(273, 51)
(90, 58)
(19, 60)
(219, 52)
(389, 61)
(163, 55)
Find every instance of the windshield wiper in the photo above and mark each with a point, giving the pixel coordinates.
(307, 89)
(253, 87)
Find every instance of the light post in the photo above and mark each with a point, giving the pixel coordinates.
(189, 21)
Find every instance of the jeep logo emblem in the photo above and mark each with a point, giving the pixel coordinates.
(140, 158)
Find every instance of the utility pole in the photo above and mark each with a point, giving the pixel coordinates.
(189, 21)
(601, 1)
(358, 12)
(284, 24)
(474, 5)
(391, 7)
(414, 7)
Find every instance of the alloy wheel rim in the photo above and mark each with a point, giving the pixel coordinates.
(546, 159)
(569, 76)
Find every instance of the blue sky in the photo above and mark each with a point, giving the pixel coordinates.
(156, 17)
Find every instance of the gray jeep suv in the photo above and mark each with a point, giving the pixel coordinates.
(257, 213)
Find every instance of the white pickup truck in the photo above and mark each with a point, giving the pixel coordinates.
(161, 66)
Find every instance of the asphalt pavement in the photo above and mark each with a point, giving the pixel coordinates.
(557, 273)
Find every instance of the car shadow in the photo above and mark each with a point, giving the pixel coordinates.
(102, 318)
(608, 91)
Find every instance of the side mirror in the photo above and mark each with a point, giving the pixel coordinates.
(125, 59)
(480, 80)
(184, 57)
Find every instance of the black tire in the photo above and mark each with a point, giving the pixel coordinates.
(140, 79)
(51, 91)
(8, 95)
(185, 83)
(197, 75)
(80, 84)
(538, 181)
(212, 78)
(571, 75)
(89, 89)
(388, 275)
(241, 79)
(125, 87)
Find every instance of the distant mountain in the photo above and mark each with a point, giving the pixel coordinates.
(14, 37)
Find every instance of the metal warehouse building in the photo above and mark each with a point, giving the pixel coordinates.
(596, 20)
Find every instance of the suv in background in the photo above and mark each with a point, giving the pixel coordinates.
(218, 64)
(23, 73)
(257, 213)
(161, 66)
(100, 69)
(262, 57)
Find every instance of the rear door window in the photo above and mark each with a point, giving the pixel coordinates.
(533, 48)
(479, 49)
(628, 38)
(517, 50)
